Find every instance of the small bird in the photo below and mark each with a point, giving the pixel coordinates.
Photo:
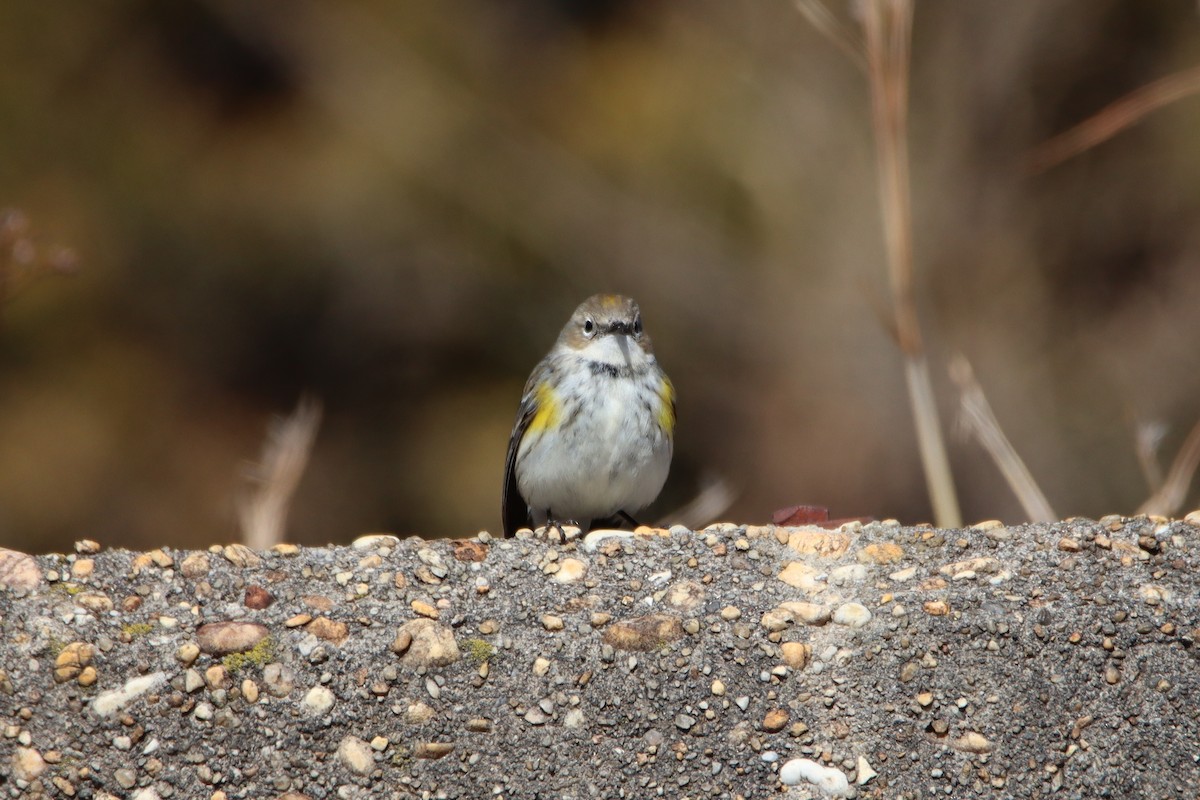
(594, 432)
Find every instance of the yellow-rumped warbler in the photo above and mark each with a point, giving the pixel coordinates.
(593, 437)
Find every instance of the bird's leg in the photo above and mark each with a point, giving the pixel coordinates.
(625, 517)
(557, 525)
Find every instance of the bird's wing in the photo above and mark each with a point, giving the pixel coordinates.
(513, 508)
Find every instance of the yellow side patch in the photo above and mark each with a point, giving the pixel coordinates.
(666, 411)
(549, 409)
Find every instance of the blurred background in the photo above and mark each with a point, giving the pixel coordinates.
(395, 207)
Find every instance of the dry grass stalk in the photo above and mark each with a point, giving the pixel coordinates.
(715, 497)
(263, 515)
(1170, 496)
(828, 25)
(977, 418)
(887, 25)
(1113, 119)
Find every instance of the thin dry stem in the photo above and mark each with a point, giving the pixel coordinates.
(1170, 496)
(263, 515)
(887, 25)
(1113, 119)
(828, 25)
(714, 499)
(1149, 436)
(977, 417)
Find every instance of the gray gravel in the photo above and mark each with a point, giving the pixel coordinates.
(1004, 662)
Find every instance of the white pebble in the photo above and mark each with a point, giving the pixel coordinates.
(828, 779)
(854, 615)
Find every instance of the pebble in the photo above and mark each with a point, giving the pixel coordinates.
(718, 688)
(223, 638)
(801, 576)
(370, 541)
(195, 566)
(242, 556)
(19, 571)
(685, 596)
(808, 613)
(318, 701)
(425, 643)
(249, 691)
(796, 654)
(853, 615)
(424, 609)
(552, 622)
(329, 630)
(775, 720)
(643, 634)
(730, 613)
(936, 608)
(87, 547)
(108, 703)
(95, 602)
(972, 742)
(881, 553)
(830, 780)
(777, 619)
(847, 574)
(864, 771)
(71, 660)
(27, 764)
(570, 570)
(193, 681)
(356, 755)
(433, 750)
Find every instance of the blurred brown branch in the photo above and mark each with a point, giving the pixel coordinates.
(263, 515)
(1170, 496)
(978, 419)
(824, 21)
(887, 28)
(887, 25)
(1113, 119)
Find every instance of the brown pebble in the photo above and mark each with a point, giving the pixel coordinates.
(796, 654)
(425, 643)
(87, 676)
(19, 571)
(329, 630)
(470, 550)
(936, 608)
(257, 598)
(424, 609)
(645, 633)
(1068, 545)
(775, 720)
(223, 638)
(433, 749)
(195, 566)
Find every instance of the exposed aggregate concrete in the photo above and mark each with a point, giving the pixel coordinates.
(873, 661)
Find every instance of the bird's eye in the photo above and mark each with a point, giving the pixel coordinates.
(589, 327)
(637, 326)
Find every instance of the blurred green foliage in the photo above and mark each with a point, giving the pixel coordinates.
(396, 205)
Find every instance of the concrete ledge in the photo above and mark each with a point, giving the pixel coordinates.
(873, 661)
